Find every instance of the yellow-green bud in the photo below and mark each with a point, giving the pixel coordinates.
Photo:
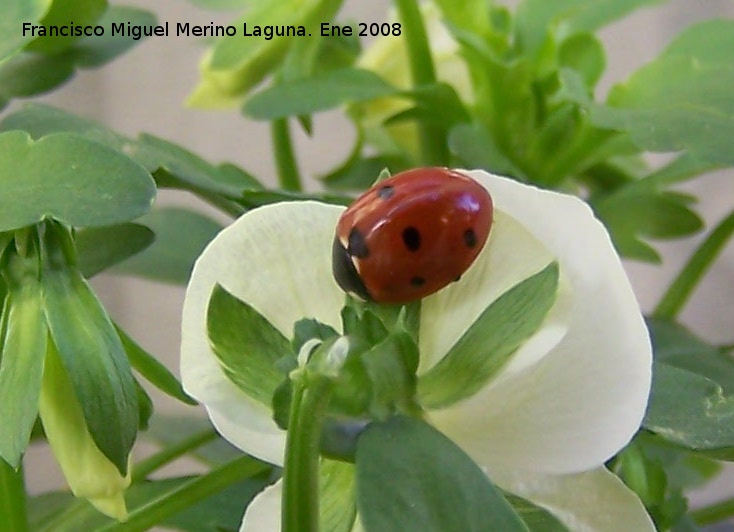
(89, 473)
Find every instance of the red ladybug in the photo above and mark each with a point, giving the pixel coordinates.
(410, 235)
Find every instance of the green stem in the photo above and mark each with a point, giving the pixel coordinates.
(300, 509)
(285, 159)
(714, 513)
(184, 496)
(169, 454)
(12, 499)
(683, 285)
(432, 137)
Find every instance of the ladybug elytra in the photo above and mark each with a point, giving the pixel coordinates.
(410, 235)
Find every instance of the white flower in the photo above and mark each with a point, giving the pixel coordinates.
(569, 399)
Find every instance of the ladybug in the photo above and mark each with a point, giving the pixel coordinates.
(410, 235)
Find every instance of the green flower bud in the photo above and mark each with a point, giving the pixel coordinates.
(88, 472)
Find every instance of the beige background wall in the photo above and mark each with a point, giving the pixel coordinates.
(145, 89)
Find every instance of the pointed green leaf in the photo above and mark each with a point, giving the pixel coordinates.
(15, 13)
(690, 410)
(180, 237)
(677, 346)
(22, 352)
(411, 477)
(475, 148)
(318, 93)
(337, 505)
(246, 344)
(154, 372)
(536, 518)
(100, 248)
(490, 341)
(94, 357)
(71, 179)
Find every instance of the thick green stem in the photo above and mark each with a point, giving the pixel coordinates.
(285, 159)
(683, 285)
(13, 515)
(300, 508)
(169, 454)
(184, 496)
(714, 513)
(432, 137)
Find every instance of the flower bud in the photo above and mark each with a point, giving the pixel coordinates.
(88, 472)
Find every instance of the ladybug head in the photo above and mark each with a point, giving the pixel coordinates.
(345, 272)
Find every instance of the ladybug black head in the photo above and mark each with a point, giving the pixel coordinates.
(345, 273)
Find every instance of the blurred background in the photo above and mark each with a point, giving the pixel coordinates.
(145, 90)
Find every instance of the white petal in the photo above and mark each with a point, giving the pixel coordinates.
(263, 513)
(583, 399)
(594, 501)
(278, 259)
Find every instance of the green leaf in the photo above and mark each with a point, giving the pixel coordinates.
(15, 13)
(64, 12)
(75, 181)
(92, 52)
(308, 328)
(680, 101)
(490, 341)
(536, 518)
(236, 65)
(475, 148)
(411, 477)
(360, 172)
(583, 53)
(676, 346)
(173, 165)
(632, 214)
(337, 505)
(318, 93)
(689, 410)
(190, 169)
(93, 356)
(180, 237)
(391, 366)
(152, 370)
(534, 19)
(32, 73)
(22, 352)
(100, 248)
(29, 74)
(246, 344)
(257, 198)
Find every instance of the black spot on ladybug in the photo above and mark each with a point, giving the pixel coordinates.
(357, 247)
(417, 281)
(411, 238)
(385, 192)
(470, 238)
